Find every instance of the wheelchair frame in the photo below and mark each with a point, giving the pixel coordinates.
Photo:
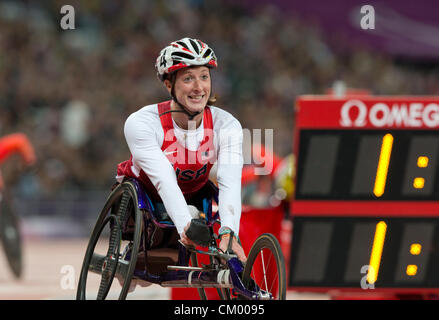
(223, 276)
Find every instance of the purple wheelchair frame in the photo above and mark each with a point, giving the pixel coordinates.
(183, 276)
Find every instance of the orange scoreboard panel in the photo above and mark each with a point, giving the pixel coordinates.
(366, 208)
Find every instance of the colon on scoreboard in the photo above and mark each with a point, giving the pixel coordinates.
(366, 206)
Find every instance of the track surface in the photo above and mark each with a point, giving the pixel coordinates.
(52, 268)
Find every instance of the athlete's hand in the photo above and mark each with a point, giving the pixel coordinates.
(184, 238)
(236, 247)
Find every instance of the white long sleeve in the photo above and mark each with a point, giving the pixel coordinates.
(229, 171)
(144, 135)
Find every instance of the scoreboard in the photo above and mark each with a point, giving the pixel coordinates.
(366, 207)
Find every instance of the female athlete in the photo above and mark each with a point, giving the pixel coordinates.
(174, 144)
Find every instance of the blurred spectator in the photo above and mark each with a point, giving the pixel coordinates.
(74, 124)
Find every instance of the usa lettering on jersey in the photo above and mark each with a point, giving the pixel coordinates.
(188, 174)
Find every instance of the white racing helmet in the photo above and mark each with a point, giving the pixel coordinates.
(184, 53)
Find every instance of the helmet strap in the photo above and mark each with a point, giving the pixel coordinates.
(191, 115)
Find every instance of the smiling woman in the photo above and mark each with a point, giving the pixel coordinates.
(175, 143)
(191, 86)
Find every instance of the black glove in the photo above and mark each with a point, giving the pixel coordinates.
(199, 232)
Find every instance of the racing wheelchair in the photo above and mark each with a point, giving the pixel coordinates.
(10, 235)
(135, 240)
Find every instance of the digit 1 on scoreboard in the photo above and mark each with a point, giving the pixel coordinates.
(383, 165)
(377, 251)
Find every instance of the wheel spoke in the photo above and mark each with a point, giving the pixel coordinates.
(269, 260)
(263, 269)
(273, 282)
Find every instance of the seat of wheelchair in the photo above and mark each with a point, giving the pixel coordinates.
(202, 201)
(160, 215)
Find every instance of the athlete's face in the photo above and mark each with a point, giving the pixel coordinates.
(192, 87)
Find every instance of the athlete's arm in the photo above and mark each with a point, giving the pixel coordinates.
(230, 162)
(229, 172)
(17, 142)
(144, 136)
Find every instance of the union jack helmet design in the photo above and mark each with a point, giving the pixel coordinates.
(184, 53)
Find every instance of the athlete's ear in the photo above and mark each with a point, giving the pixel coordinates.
(168, 85)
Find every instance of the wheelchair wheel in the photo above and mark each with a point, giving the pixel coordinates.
(266, 267)
(118, 226)
(11, 238)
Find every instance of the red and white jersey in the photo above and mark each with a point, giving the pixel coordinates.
(174, 163)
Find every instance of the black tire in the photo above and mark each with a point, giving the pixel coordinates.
(266, 254)
(120, 206)
(10, 236)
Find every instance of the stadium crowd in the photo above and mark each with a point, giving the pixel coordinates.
(71, 90)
